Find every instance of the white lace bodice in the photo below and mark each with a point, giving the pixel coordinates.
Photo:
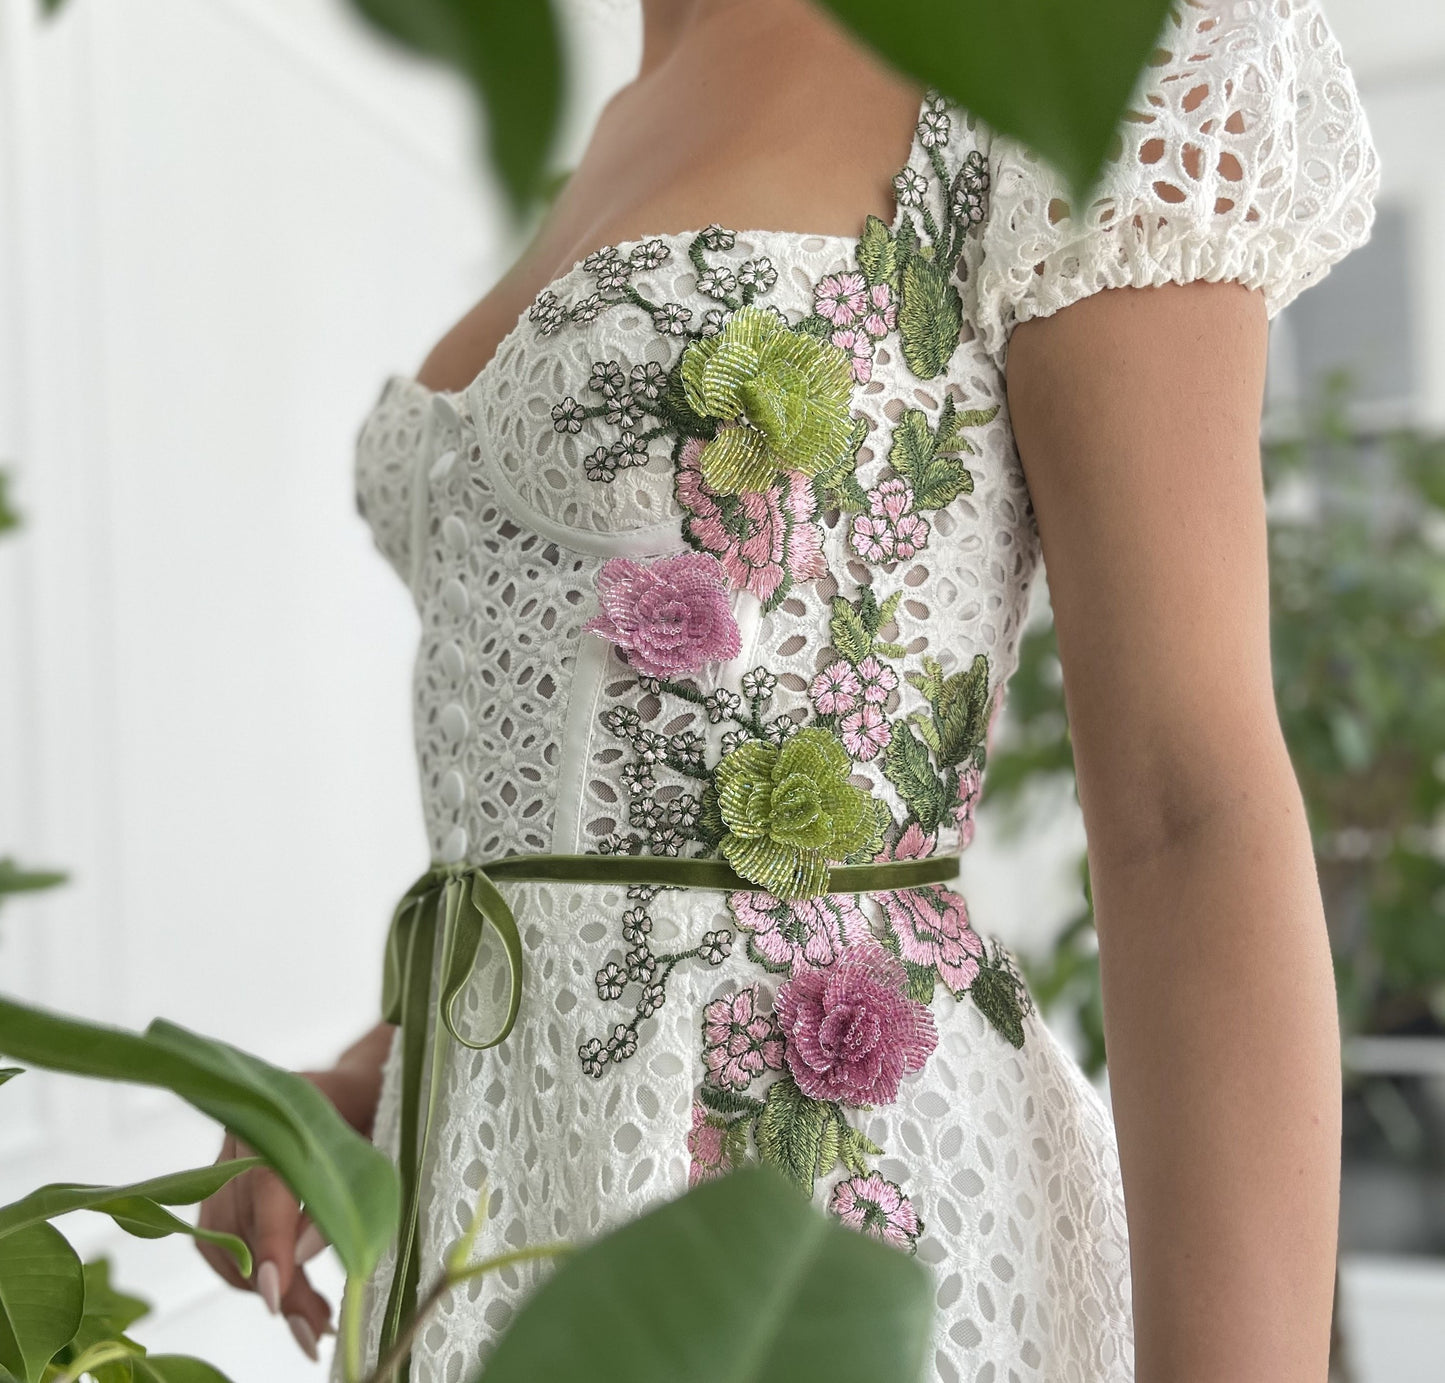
(727, 507)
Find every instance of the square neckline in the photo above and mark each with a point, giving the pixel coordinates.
(672, 239)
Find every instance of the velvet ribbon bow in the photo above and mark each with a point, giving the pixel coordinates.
(437, 930)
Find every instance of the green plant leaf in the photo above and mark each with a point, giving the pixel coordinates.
(740, 1279)
(175, 1368)
(10, 1072)
(42, 1299)
(108, 1315)
(138, 1208)
(8, 517)
(511, 56)
(1055, 74)
(930, 317)
(13, 879)
(348, 1186)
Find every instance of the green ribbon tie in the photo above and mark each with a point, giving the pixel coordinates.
(450, 907)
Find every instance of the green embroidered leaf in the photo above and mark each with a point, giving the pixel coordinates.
(930, 317)
(854, 1148)
(928, 729)
(970, 417)
(921, 981)
(831, 1142)
(907, 766)
(912, 447)
(961, 712)
(942, 481)
(877, 254)
(814, 325)
(735, 1142)
(996, 993)
(888, 609)
(722, 1101)
(790, 1131)
(890, 650)
(847, 631)
(906, 243)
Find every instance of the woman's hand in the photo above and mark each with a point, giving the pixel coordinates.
(258, 1207)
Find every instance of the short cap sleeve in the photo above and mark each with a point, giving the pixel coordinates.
(1245, 155)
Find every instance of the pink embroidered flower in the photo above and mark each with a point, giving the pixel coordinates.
(707, 1146)
(672, 615)
(841, 298)
(835, 689)
(808, 934)
(878, 679)
(859, 348)
(739, 1042)
(852, 1033)
(913, 844)
(910, 534)
(891, 499)
(865, 732)
(764, 539)
(970, 787)
(931, 925)
(881, 314)
(877, 1207)
(873, 539)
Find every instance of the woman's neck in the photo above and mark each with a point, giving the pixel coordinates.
(666, 24)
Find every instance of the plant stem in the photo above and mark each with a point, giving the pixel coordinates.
(386, 1367)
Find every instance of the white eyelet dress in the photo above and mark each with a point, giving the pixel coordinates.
(726, 554)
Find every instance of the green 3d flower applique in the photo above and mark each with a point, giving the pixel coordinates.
(790, 810)
(783, 393)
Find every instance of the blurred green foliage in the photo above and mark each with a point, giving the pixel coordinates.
(1357, 597)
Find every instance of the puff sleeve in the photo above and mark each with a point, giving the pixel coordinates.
(1245, 155)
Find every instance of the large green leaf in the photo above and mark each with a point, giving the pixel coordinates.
(108, 1315)
(510, 54)
(1056, 74)
(929, 318)
(138, 1209)
(174, 1368)
(348, 1187)
(42, 1299)
(739, 1281)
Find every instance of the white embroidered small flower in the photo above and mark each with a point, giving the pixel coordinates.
(671, 319)
(600, 259)
(641, 964)
(611, 980)
(683, 811)
(720, 704)
(644, 814)
(636, 925)
(935, 126)
(594, 1062)
(649, 254)
(649, 380)
(629, 450)
(910, 187)
(637, 778)
(652, 686)
(687, 746)
(623, 1042)
(759, 684)
(567, 416)
(621, 721)
(601, 465)
(713, 321)
(547, 312)
(653, 998)
(612, 843)
(733, 739)
(717, 283)
(714, 237)
(758, 274)
(716, 946)
(667, 841)
(606, 377)
(644, 893)
(650, 745)
(586, 309)
(780, 728)
(613, 277)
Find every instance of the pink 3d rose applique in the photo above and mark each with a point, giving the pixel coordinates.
(672, 616)
(852, 1033)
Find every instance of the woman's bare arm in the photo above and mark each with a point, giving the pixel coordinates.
(1137, 418)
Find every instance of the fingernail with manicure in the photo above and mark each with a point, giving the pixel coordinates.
(305, 1336)
(309, 1244)
(268, 1284)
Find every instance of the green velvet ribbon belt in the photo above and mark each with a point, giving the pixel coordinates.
(449, 908)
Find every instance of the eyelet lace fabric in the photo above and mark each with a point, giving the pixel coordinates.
(824, 421)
